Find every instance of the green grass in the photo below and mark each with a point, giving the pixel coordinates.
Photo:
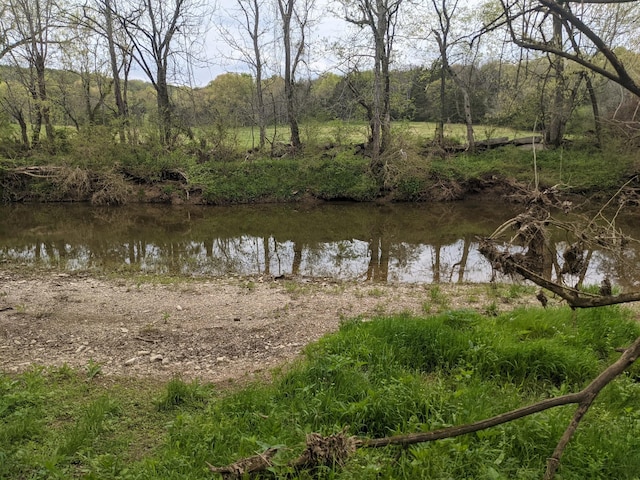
(327, 169)
(386, 376)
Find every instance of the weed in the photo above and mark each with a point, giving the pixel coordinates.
(149, 328)
(93, 369)
(376, 292)
(89, 426)
(179, 393)
(296, 288)
(426, 307)
(438, 297)
(491, 310)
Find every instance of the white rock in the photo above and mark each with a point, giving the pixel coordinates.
(155, 358)
(131, 361)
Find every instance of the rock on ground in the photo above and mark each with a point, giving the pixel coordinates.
(212, 329)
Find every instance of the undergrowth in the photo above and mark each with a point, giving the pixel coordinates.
(327, 171)
(386, 376)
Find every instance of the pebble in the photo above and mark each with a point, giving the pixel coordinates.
(143, 352)
(124, 330)
(131, 361)
(155, 358)
(179, 308)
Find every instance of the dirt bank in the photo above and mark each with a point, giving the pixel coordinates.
(213, 329)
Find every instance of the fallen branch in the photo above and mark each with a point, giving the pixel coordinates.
(336, 448)
(37, 171)
(511, 263)
(320, 450)
(249, 465)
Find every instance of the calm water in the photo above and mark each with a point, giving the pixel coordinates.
(391, 243)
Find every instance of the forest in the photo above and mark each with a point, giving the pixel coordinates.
(128, 73)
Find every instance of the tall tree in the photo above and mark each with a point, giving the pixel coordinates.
(163, 35)
(101, 18)
(253, 23)
(35, 20)
(528, 27)
(119, 60)
(380, 17)
(295, 21)
(445, 11)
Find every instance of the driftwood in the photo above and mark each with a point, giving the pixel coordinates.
(536, 260)
(246, 466)
(331, 451)
(335, 449)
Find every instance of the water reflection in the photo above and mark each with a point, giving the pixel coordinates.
(390, 243)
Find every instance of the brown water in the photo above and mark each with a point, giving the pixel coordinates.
(363, 242)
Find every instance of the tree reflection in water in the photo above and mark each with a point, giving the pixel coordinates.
(392, 243)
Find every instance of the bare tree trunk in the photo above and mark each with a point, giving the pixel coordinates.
(121, 105)
(24, 135)
(440, 124)
(291, 60)
(555, 128)
(596, 111)
(262, 120)
(165, 119)
(43, 100)
(380, 17)
(468, 119)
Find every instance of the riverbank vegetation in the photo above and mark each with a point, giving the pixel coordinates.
(391, 375)
(75, 125)
(93, 168)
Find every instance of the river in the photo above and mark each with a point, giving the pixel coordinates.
(405, 243)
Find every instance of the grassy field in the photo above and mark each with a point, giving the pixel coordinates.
(340, 132)
(391, 375)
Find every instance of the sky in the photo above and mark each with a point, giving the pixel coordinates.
(217, 56)
(328, 28)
